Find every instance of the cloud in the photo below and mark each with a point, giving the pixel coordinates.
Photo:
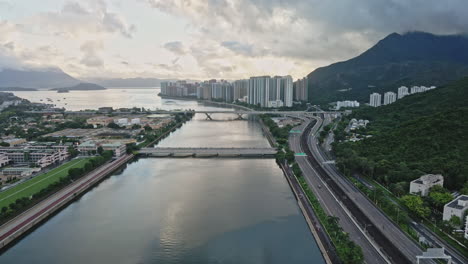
(78, 18)
(306, 32)
(175, 47)
(90, 56)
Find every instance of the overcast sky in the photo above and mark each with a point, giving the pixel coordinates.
(203, 39)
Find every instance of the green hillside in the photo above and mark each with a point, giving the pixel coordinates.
(414, 58)
(421, 133)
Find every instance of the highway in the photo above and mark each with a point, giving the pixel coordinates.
(331, 204)
(457, 257)
(26, 221)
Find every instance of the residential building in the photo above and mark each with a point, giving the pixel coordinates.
(389, 98)
(424, 183)
(402, 92)
(466, 227)
(240, 89)
(375, 100)
(301, 90)
(456, 207)
(344, 104)
(258, 91)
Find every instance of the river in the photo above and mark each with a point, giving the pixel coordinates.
(180, 210)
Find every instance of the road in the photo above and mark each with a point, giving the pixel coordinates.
(395, 242)
(27, 220)
(457, 257)
(332, 205)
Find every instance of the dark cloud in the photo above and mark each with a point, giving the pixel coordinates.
(176, 47)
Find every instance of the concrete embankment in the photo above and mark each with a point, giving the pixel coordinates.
(26, 221)
(324, 244)
(266, 131)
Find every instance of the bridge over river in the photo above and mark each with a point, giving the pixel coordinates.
(208, 152)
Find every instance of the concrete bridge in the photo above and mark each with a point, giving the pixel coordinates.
(239, 113)
(208, 152)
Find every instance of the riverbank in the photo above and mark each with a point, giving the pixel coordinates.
(28, 220)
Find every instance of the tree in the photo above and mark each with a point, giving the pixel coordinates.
(113, 125)
(136, 126)
(438, 197)
(4, 144)
(464, 190)
(100, 150)
(455, 221)
(416, 205)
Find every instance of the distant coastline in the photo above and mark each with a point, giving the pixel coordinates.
(16, 89)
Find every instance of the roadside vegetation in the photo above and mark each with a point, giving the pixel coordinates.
(348, 251)
(419, 134)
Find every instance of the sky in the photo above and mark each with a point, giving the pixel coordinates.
(203, 39)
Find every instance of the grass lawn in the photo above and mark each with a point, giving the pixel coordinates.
(34, 185)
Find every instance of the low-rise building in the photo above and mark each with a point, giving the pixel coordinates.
(17, 172)
(456, 207)
(90, 147)
(99, 121)
(4, 160)
(426, 182)
(14, 141)
(40, 155)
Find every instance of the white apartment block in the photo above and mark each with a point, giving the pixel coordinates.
(341, 104)
(426, 182)
(402, 92)
(375, 100)
(389, 98)
(466, 227)
(456, 207)
(258, 90)
(301, 91)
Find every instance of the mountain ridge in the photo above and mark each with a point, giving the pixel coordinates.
(414, 58)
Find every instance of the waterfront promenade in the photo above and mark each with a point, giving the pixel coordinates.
(23, 223)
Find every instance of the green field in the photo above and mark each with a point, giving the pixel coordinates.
(30, 187)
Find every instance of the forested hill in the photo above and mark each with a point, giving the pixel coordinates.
(421, 133)
(414, 58)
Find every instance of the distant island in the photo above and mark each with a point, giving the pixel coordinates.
(16, 89)
(80, 87)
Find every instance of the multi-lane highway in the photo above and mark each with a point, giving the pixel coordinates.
(331, 204)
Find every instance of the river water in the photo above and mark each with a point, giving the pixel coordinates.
(180, 210)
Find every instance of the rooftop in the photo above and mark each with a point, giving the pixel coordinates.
(456, 202)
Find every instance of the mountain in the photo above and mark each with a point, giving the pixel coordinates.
(414, 58)
(16, 89)
(46, 78)
(130, 82)
(81, 87)
(421, 133)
